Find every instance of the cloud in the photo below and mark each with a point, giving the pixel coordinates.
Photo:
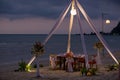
(14, 9)
(33, 8)
(31, 16)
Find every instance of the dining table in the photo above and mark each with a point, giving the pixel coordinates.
(79, 61)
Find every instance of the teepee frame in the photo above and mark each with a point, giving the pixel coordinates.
(75, 5)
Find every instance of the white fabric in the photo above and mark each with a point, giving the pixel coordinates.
(83, 40)
(32, 59)
(52, 62)
(69, 62)
(53, 29)
(56, 26)
(89, 22)
(70, 28)
(98, 58)
(98, 34)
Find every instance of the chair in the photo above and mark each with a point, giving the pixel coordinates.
(53, 59)
(93, 63)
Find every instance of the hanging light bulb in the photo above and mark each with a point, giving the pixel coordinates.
(73, 12)
(107, 21)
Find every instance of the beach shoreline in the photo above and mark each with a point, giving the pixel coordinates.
(7, 72)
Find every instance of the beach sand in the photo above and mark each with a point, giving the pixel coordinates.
(7, 72)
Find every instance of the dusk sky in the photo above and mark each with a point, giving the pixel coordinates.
(39, 16)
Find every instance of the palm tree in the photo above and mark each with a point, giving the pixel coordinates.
(37, 50)
(99, 46)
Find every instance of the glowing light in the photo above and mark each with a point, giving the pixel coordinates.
(33, 58)
(107, 21)
(73, 12)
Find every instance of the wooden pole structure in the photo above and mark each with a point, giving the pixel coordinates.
(119, 71)
(70, 27)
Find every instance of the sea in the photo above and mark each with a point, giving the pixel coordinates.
(17, 47)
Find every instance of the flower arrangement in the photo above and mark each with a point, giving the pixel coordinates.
(69, 54)
(88, 72)
(98, 45)
(38, 49)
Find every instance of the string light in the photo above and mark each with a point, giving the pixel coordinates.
(73, 12)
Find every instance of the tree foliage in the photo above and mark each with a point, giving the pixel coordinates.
(116, 30)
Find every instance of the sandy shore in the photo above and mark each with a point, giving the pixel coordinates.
(7, 73)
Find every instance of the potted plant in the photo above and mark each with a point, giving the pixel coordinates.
(99, 46)
(37, 50)
(84, 71)
(23, 66)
